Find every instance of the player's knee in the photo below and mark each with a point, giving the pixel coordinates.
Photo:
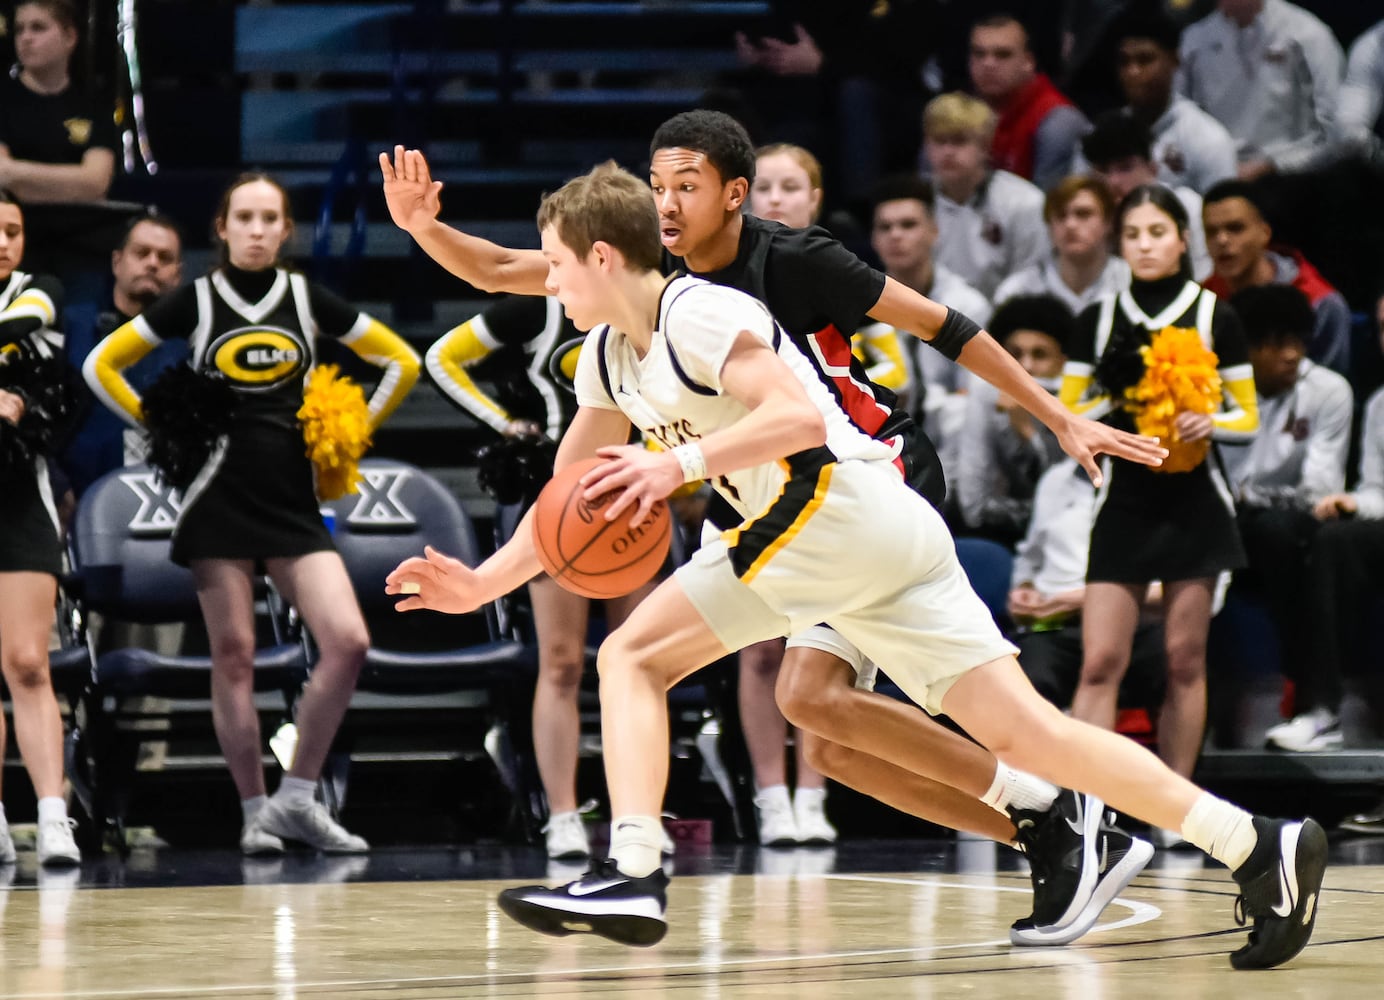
(822, 755)
(620, 659)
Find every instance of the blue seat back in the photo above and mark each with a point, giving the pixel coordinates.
(120, 549)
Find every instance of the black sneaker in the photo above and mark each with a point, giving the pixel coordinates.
(1119, 858)
(1061, 848)
(604, 901)
(1279, 886)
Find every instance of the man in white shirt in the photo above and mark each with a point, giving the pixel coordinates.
(1080, 212)
(1190, 147)
(1362, 96)
(1270, 72)
(1119, 151)
(989, 222)
(1296, 460)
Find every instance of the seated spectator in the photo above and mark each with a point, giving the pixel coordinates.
(1190, 148)
(1362, 97)
(1270, 72)
(1297, 459)
(989, 222)
(1239, 238)
(1078, 212)
(1038, 127)
(1049, 588)
(1004, 450)
(1120, 152)
(904, 234)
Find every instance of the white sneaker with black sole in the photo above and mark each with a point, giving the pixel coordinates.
(604, 901)
(1313, 731)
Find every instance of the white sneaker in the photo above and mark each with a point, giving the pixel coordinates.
(777, 826)
(257, 843)
(7, 854)
(1319, 729)
(809, 815)
(566, 837)
(55, 843)
(669, 848)
(308, 823)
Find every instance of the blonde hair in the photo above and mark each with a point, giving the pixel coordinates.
(959, 114)
(1065, 190)
(610, 204)
(803, 158)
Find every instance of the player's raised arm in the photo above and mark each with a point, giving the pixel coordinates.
(904, 308)
(414, 201)
(440, 583)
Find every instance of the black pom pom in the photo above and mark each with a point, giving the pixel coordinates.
(1121, 366)
(185, 412)
(514, 469)
(52, 395)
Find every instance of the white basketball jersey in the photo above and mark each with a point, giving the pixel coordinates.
(674, 395)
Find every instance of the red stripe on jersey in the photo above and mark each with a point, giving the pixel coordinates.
(857, 398)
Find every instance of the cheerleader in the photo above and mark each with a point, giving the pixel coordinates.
(31, 541)
(253, 502)
(1176, 523)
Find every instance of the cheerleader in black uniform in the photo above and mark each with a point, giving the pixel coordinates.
(30, 546)
(1157, 524)
(253, 502)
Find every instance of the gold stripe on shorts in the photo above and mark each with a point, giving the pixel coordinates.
(757, 541)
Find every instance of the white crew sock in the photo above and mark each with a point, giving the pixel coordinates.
(52, 809)
(1224, 831)
(249, 808)
(295, 791)
(1013, 789)
(636, 845)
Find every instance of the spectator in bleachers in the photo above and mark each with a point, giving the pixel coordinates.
(1175, 523)
(1003, 450)
(1119, 150)
(1270, 72)
(57, 143)
(1243, 255)
(1296, 460)
(787, 188)
(1049, 590)
(844, 76)
(267, 323)
(904, 234)
(1358, 121)
(30, 540)
(1079, 212)
(1037, 127)
(989, 222)
(1190, 148)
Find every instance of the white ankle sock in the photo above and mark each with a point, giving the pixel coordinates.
(296, 790)
(52, 809)
(1224, 831)
(1018, 790)
(806, 798)
(774, 795)
(636, 844)
(249, 808)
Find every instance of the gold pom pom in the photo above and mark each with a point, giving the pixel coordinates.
(336, 429)
(1179, 375)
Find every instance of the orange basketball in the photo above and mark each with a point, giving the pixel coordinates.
(587, 554)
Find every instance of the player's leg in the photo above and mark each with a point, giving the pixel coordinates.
(1278, 864)
(1109, 617)
(1182, 722)
(560, 621)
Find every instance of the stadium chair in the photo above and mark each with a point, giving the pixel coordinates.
(119, 553)
(417, 658)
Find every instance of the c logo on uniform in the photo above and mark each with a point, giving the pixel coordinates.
(258, 358)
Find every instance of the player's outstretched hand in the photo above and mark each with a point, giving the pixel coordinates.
(435, 582)
(413, 197)
(1085, 439)
(643, 478)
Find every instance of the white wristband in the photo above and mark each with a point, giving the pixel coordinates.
(693, 462)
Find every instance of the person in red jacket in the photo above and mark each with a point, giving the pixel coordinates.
(1039, 128)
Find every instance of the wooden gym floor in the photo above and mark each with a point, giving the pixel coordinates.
(867, 919)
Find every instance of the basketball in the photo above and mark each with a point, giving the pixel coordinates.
(587, 554)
